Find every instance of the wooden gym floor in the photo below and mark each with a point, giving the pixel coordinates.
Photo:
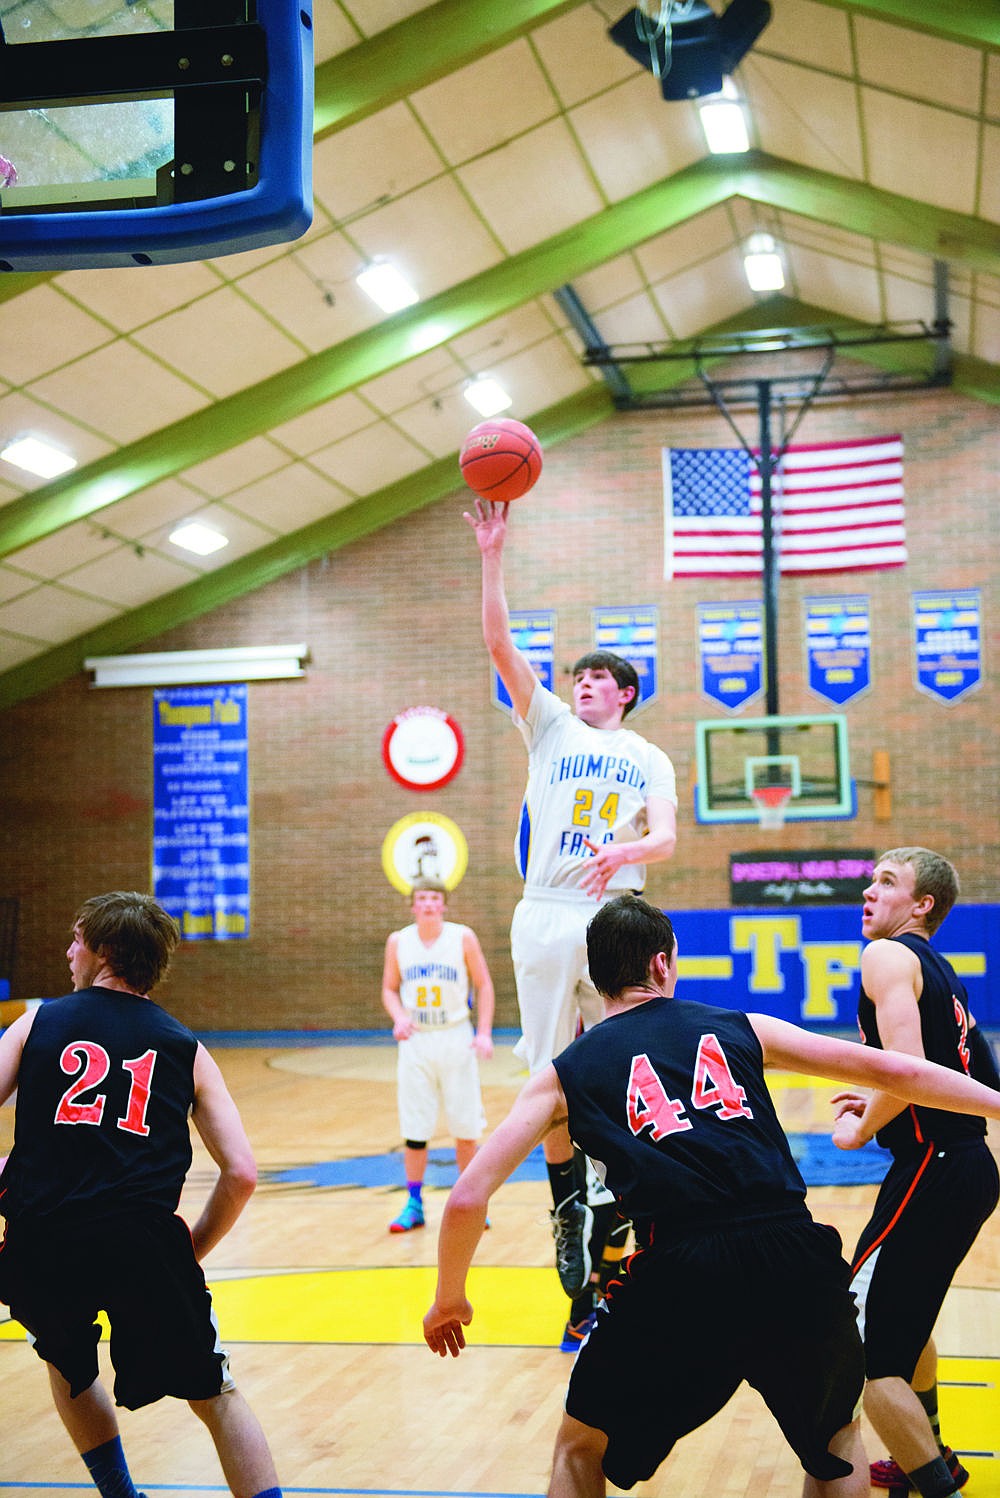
(321, 1307)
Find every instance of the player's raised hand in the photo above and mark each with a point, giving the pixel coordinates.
(443, 1328)
(489, 523)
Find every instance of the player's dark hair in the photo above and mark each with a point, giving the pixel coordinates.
(132, 933)
(932, 875)
(622, 940)
(622, 670)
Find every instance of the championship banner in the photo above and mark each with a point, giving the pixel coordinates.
(803, 964)
(534, 632)
(731, 649)
(634, 634)
(946, 638)
(838, 647)
(201, 827)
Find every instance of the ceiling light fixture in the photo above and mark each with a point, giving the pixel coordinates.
(487, 396)
(724, 121)
(386, 286)
(37, 456)
(201, 539)
(762, 264)
(198, 667)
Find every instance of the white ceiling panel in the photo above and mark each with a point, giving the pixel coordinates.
(814, 34)
(701, 238)
(578, 55)
(128, 298)
(634, 138)
(21, 416)
(244, 536)
(919, 66)
(14, 650)
(608, 284)
(82, 542)
(128, 579)
(221, 342)
(147, 395)
(373, 162)
(234, 469)
(838, 285)
(150, 510)
(989, 185)
(324, 424)
(312, 293)
(699, 298)
(452, 108)
(804, 116)
(561, 191)
(286, 501)
(427, 375)
(921, 151)
(370, 460)
(14, 582)
(433, 235)
(41, 330)
(51, 613)
(636, 319)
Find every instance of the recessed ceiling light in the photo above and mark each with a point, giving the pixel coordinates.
(201, 539)
(386, 286)
(762, 264)
(38, 457)
(724, 122)
(487, 395)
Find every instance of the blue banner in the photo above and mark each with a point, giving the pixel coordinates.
(201, 830)
(634, 634)
(731, 649)
(803, 964)
(534, 632)
(838, 647)
(946, 631)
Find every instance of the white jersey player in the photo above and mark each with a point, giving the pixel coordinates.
(431, 969)
(600, 805)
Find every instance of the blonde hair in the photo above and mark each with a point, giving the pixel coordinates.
(932, 875)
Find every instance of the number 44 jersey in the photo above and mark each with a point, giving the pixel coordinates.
(669, 1100)
(105, 1087)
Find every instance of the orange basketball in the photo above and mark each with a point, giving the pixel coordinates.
(501, 459)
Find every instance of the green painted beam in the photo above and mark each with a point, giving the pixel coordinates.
(975, 21)
(553, 425)
(415, 52)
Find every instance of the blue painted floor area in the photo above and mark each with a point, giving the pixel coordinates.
(820, 1162)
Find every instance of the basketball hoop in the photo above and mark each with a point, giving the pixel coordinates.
(771, 801)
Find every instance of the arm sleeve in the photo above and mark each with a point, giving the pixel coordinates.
(983, 1067)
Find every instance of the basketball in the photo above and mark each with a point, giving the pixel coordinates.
(501, 459)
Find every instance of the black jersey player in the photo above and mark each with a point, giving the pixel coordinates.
(106, 1080)
(733, 1279)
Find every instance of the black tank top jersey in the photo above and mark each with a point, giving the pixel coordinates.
(105, 1087)
(670, 1097)
(944, 1026)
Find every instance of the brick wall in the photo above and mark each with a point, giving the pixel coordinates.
(393, 621)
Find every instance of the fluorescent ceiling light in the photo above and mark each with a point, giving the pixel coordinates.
(198, 667)
(386, 287)
(724, 122)
(762, 263)
(201, 539)
(38, 457)
(487, 395)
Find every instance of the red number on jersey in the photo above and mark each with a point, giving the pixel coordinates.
(93, 1063)
(714, 1084)
(962, 1020)
(648, 1106)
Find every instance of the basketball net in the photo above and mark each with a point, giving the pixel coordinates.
(771, 801)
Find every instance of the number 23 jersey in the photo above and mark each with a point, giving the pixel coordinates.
(670, 1098)
(583, 782)
(105, 1087)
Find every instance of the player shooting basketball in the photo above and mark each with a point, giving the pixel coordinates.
(600, 804)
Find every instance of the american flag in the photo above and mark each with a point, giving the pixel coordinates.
(837, 507)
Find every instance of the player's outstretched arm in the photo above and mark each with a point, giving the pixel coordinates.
(11, 1046)
(516, 672)
(904, 1076)
(217, 1120)
(540, 1105)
